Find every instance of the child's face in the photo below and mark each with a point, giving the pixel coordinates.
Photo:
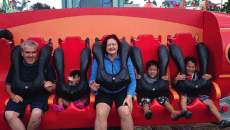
(152, 71)
(76, 79)
(190, 67)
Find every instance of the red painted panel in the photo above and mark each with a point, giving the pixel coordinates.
(212, 39)
(173, 15)
(223, 19)
(225, 36)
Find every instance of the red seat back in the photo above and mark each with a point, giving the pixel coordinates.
(72, 47)
(187, 45)
(5, 62)
(148, 46)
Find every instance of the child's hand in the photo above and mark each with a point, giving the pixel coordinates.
(70, 78)
(93, 85)
(166, 78)
(179, 77)
(207, 76)
(138, 76)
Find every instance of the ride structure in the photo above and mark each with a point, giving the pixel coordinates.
(145, 28)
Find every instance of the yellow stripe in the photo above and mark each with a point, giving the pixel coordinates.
(224, 76)
(224, 29)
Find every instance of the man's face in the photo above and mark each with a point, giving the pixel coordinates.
(190, 67)
(29, 54)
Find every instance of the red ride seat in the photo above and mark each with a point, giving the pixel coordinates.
(148, 46)
(5, 52)
(73, 117)
(200, 111)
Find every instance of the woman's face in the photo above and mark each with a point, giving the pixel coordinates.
(111, 46)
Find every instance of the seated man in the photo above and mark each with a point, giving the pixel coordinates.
(16, 106)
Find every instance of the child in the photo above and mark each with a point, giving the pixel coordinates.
(74, 79)
(192, 74)
(151, 77)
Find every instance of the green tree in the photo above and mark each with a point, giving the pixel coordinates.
(165, 3)
(209, 8)
(40, 6)
(226, 7)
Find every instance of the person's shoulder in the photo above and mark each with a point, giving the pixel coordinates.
(157, 76)
(197, 72)
(145, 75)
(49, 66)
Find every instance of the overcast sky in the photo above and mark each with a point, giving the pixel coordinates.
(57, 3)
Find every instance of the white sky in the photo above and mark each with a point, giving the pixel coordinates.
(57, 3)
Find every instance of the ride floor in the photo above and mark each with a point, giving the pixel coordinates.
(197, 126)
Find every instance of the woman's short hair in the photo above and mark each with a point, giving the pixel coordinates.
(29, 42)
(192, 59)
(104, 43)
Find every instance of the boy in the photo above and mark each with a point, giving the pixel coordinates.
(74, 79)
(151, 77)
(193, 74)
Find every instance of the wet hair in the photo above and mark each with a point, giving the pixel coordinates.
(29, 42)
(150, 63)
(104, 43)
(187, 59)
(74, 73)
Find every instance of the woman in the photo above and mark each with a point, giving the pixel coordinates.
(104, 98)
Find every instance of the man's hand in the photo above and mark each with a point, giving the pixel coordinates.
(166, 78)
(16, 98)
(179, 77)
(129, 102)
(48, 85)
(207, 76)
(138, 76)
(93, 85)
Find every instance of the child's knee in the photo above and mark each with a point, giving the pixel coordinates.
(60, 100)
(208, 102)
(183, 98)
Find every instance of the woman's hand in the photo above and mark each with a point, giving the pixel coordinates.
(207, 76)
(93, 85)
(128, 100)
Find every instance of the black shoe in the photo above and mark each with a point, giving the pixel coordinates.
(224, 124)
(148, 114)
(178, 114)
(188, 115)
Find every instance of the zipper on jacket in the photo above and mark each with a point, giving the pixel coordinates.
(112, 80)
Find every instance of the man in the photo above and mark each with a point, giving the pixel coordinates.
(16, 106)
